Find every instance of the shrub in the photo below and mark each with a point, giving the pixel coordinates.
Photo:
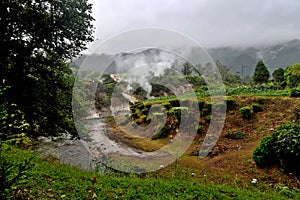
(257, 107)
(246, 112)
(263, 155)
(134, 115)
(139, 105)
(282, 148)
(295, 93)
(13, 126)
(145, 111)
(230, 103)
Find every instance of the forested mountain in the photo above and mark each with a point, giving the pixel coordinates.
(274, 56)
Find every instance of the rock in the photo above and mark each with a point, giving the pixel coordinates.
(254, 181)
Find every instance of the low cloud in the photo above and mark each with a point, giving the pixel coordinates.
(210, 22)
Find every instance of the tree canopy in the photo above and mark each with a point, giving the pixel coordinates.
(187, 69)
(292, 75)
(261, 73)
(37, 39)
(278, 75)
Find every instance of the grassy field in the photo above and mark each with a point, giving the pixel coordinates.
(48, 179)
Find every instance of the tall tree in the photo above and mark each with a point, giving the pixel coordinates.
(37, 38)
(278, 75)
(292, 75)
(261, 73)
(187, 69)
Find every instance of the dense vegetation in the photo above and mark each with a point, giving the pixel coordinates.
(281, 148)
(38, 38)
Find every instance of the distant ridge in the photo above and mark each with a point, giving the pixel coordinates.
(274, 56)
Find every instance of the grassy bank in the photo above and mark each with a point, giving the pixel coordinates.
(48, 179)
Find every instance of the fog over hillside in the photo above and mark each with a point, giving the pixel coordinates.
(274, 56)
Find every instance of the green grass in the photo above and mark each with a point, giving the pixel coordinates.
(52, 180)
(230, 91)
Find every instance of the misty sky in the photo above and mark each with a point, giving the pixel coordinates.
(211, 23)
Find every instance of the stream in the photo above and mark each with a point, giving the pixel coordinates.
(87, 155)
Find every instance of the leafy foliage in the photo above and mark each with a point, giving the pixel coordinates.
(257, 107)
(278, 75)
(246, 112)
(264, 155)
(230, 103)
(295, 92)
(292, 75)
(13, 126)
(187, 69)
(282, 148)
(37, 38)
(261, 73)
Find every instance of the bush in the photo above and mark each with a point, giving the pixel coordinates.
(179, 110)
(282, 148)
(13, 126)
(295, 93)
(263, 155)
(246, 112)
(230, 103)
(257, 107)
